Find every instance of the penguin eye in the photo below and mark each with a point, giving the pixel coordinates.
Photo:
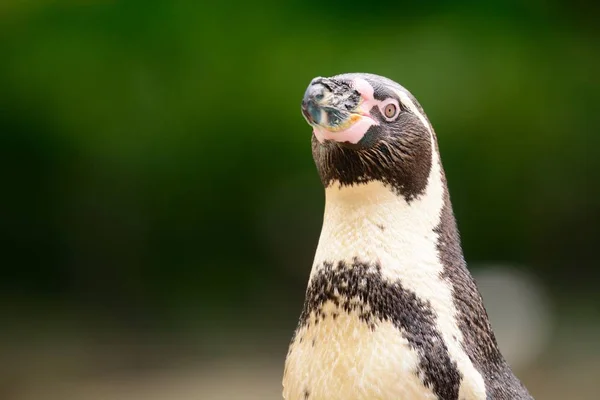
(390, 109)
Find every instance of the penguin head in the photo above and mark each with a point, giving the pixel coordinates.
(367, 127)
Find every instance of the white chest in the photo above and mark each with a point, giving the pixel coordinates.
(343, 358)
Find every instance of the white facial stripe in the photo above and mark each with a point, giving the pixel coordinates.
(412, 107)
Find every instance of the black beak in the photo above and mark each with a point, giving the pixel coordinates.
(312, 102)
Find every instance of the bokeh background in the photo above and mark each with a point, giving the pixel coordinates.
(159, 207)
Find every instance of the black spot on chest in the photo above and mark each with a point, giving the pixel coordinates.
(360, 288)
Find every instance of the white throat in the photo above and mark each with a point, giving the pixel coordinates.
(372, 222)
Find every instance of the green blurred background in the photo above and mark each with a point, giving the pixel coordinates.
(160, 207)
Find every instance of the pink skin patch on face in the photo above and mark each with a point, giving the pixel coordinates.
(361, 122)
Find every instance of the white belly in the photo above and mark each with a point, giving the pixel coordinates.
(344, 359)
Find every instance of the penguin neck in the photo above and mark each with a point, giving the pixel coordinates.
(373, 223)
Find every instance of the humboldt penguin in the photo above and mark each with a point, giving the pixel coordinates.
(391, 311)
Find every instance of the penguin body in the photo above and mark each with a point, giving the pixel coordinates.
(391, 311)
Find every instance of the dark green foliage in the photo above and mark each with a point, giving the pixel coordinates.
(154, 155)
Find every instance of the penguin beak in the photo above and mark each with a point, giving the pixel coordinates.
(333, 108)
(328, 108)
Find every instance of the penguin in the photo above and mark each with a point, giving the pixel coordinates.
(391, 311)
